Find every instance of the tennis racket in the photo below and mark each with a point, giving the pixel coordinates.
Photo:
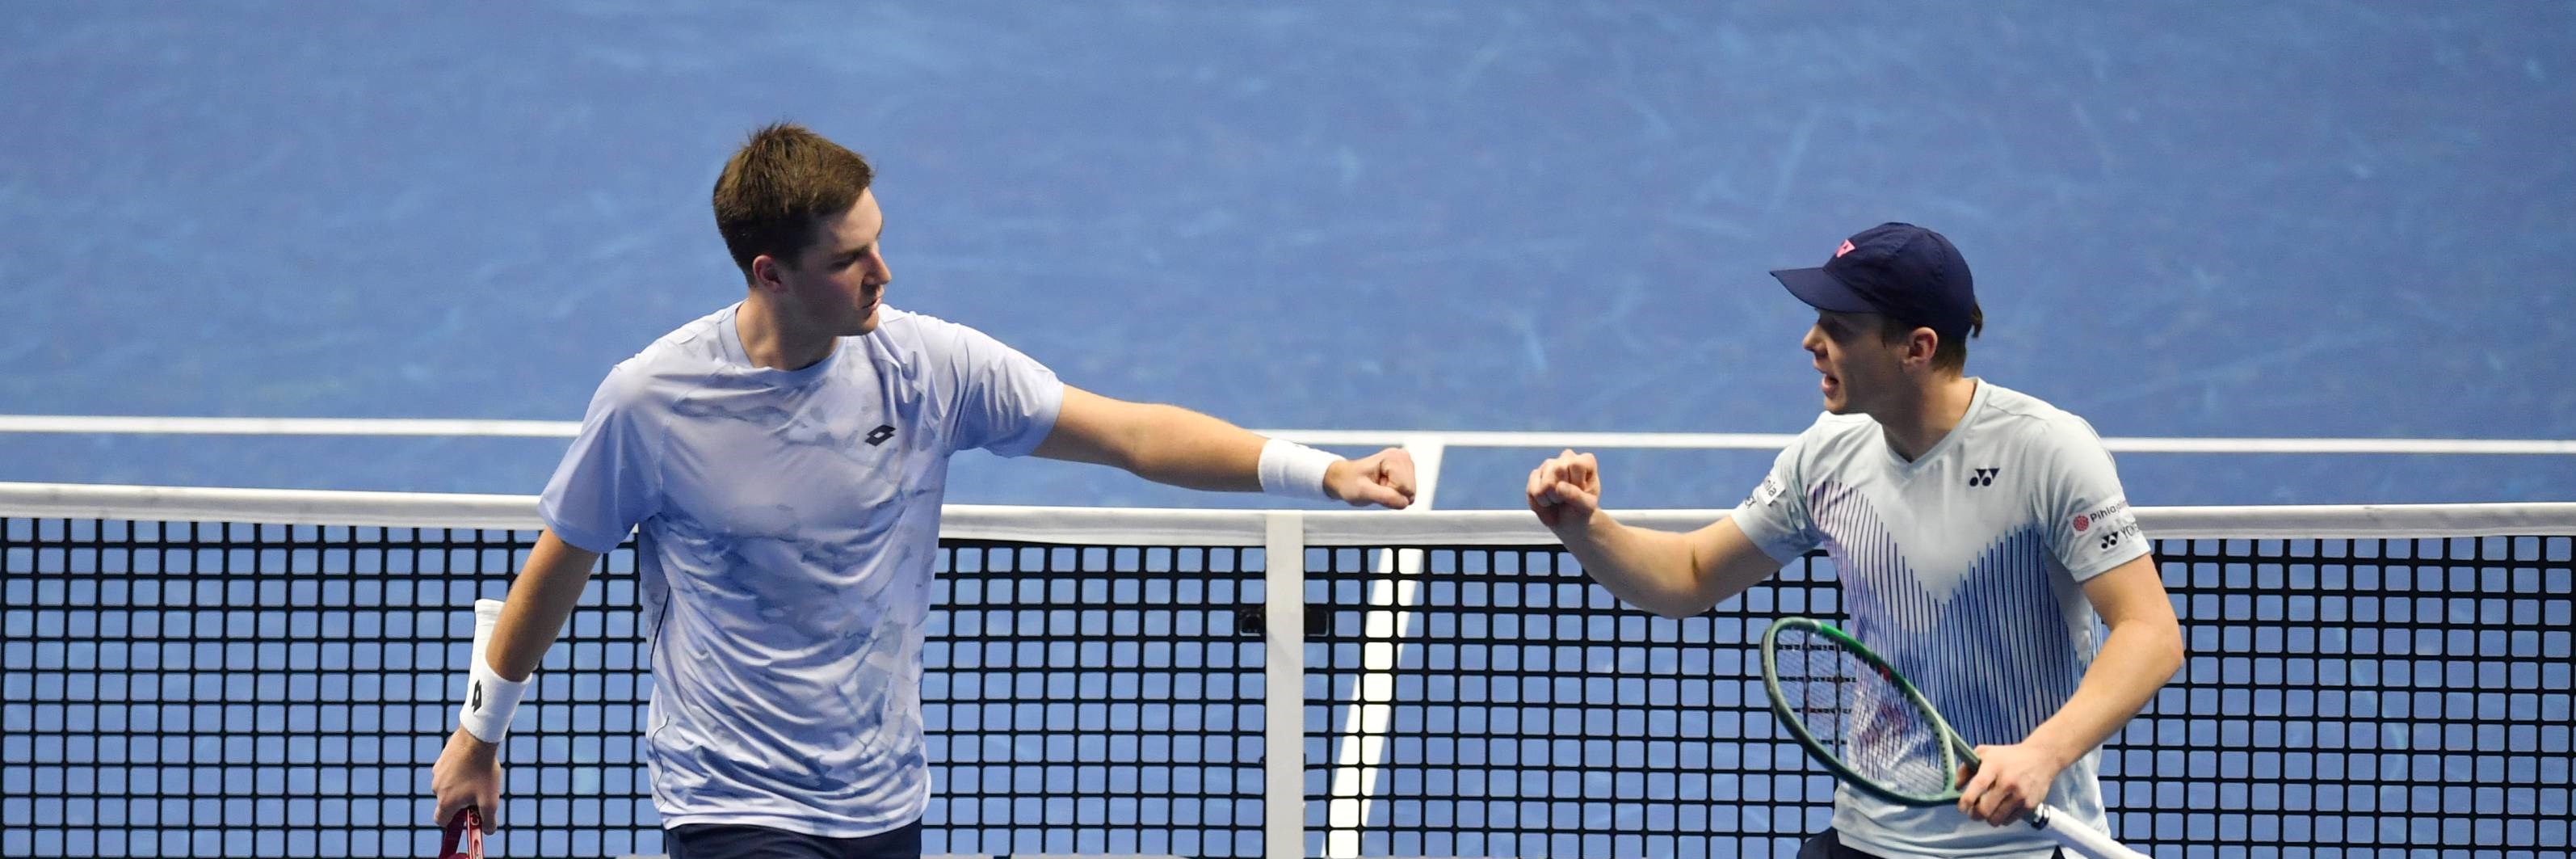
(464, 836)
(1865, 722)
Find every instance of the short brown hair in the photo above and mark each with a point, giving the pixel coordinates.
(1951, 353)
(780, 187)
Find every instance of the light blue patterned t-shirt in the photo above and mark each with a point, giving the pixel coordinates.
(788, 524)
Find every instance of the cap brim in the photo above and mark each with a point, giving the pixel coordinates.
(1822, 291)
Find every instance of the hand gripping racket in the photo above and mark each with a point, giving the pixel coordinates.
(1865, 722)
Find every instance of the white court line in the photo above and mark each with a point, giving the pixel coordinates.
(154, 425)
(287, 426)
(1360, 746)
(1776, 441)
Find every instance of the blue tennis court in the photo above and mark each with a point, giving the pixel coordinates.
(2308, 219)
(2304, 222)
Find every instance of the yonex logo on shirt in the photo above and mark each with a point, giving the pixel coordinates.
(1984, 477)
(879, 435)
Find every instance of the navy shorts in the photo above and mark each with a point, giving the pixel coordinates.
(1830, 846)
(727, 841)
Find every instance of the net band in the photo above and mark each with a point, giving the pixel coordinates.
(1117, 526)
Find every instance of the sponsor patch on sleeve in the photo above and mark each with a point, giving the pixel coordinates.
(2108, 525)
(1768, 493)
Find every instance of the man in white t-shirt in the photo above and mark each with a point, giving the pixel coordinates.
(782, 462)
(1976, 532)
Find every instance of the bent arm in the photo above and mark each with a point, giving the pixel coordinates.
(2143, 651)
(539, 601)
(1670, 574)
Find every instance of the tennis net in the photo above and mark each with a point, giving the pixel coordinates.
(242, 672)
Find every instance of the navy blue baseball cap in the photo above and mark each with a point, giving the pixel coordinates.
(1903, 271)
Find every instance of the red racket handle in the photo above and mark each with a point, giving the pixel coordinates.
(464, 838)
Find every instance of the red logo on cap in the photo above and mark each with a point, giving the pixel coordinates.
(2081, 522)
(1846, 248)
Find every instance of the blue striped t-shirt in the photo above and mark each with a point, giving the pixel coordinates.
(1964, 568)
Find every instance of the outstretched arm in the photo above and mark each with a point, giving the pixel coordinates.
(1173, 445)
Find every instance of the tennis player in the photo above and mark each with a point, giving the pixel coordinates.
(784, 458)
(1976, 531)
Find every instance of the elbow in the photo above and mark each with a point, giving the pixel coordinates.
(1123, 449)
(2170, 652)
(1122, 455)
(2150, 647)
(1663, 605)
(1682, 608)
(2176, 653)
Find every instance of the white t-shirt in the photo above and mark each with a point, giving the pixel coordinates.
(789, 524)
(1963, 568)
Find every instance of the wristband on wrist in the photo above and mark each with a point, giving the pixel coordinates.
(490, 700)
(1294, 470)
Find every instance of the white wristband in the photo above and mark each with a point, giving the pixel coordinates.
(489, 699)
(1294, 470)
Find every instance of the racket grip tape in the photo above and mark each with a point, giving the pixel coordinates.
(2081, 836)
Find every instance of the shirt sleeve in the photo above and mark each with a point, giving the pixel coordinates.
(1775, 516)
(1004, 401)
(609, 480)
(2087, 516)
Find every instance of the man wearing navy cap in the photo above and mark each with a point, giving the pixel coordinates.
(1976, 532)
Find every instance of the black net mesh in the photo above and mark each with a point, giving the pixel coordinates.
(177, 689)
(2342, 698)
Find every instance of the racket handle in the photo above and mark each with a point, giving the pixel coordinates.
(464, 836)
(2075, 833)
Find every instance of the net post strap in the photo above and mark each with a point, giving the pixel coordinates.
(1283, 764)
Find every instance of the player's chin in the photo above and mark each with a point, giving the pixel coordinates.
(866, 325)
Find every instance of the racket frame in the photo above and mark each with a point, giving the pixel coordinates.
(1954, 752)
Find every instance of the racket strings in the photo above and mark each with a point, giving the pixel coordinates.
(1861, 715)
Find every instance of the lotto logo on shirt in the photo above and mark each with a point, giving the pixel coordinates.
(1767, 493)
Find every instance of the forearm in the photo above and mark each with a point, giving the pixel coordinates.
(1176, 446)
(2136, 660)
(539, 601)
(1646, 568)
